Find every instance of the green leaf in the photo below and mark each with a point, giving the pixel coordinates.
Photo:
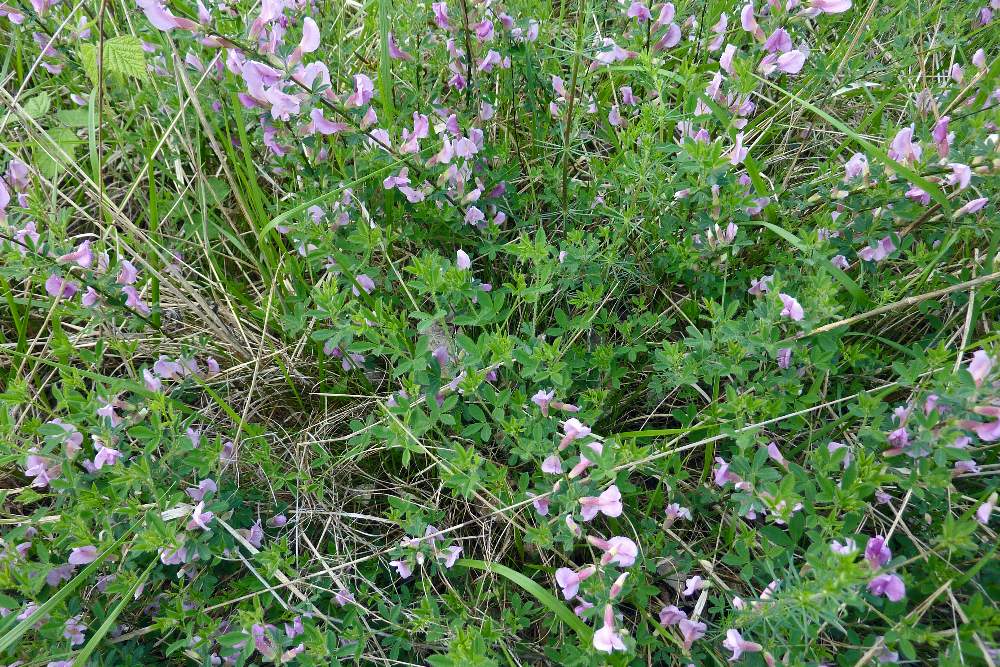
(548, 600)
(124, 55)
(81, 658)
(54, 151)
(871, 149)
(38, 105)
(841, 277)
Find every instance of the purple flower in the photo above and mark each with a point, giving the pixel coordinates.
(877, 553)
(204, 487)
(784, 357)
(856, 166)
(106, 456)
(639, 12)
(676, 511)
(73, 631)
(986, 509)
(671, 615)
(845, 549)
(980, 366)
(792, 309)
(463, 261)
(83, 555)
(128, 274)
(693, 585)
(759, 287)
(903, 148)
(82, 256)
(402, 568)
(59, 574)
(366, 283)
(552, 465)
(173, 555)
(58, 287)
(200, 518)
(364, 89)
(691, 631)
(887, 585)
(542, 399)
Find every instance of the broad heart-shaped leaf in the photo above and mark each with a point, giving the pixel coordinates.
(38, 105)
(49, 151)
(547, 599)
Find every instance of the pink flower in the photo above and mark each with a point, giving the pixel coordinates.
(463, 261)
(830, 6)
(58, 287)
(675, 511)
(619, 550)
(200, 518)
(614, 116)
(541, 504)
(734, 642)
(366, 283)
(961, 175)
(491, 60)
(638, 11)
(973, 206)
(693, 585)
(980, 366)
(721, 473)
(791, 62)
(987, 431)
(106, 456)
(83, 555)
(73, 631)
(364, 89)
(671, 616)
(343, 597)
(402, 568)
(617, 586)
(450, 555)
(573, 429)
(670, 39)
(309, 41)
(204, 487)
(845, 549)
(784, 358)
(441, 15)
(888, 585)
(128, 274)
(986, 509)
(775, 454)
(542, 399)
(552, 465)
(726, 60)
(903, 148)
(395, 52)
(779, 42)
(134, 301)
(942, 138)
(691, 631)
(856, 166)
(608, 503)
(42, 470)
(173, 555)
(666, 15)
(607, 640)
(610, 53)
(569, 581)
(474, 216)
(759, 287)
(791, 309)
(82, 256)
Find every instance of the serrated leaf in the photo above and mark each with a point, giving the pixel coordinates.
(38, 105)
(124, 55)
(88, 58)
